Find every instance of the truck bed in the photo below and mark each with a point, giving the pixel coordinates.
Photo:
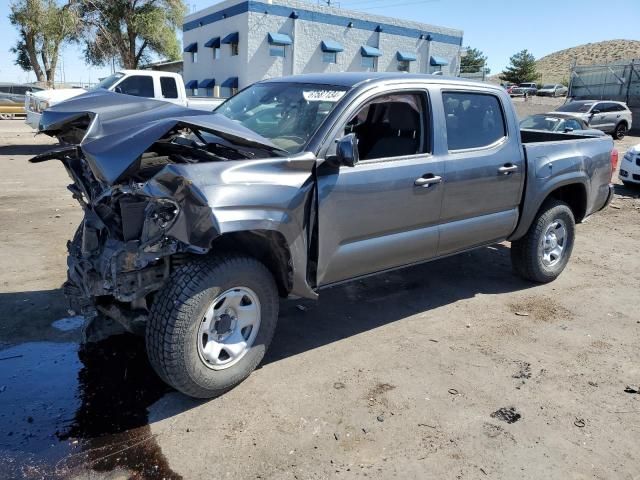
(539, 136)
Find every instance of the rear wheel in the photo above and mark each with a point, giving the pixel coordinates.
(620, 131)
(212, 324)
(542, 254)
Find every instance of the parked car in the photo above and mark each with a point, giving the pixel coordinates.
(165, 86)
(630, 167)
(524, 88)
(12, 97)
(614, 118)
(553, 90)
(195, 223)
(560, 123)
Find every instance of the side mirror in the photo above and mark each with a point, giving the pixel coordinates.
(347, 150)
(568, 130)
(594, 112)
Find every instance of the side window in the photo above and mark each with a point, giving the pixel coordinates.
(574, 124)
(5, 89)
(390, 126)
(19, 90)
(168, 87)
(474, 120)
(138, 85)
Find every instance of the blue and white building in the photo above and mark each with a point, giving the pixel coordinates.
(235, 43)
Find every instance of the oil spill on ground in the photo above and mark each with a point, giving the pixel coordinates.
(66, 409)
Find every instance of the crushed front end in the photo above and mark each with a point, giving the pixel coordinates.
(142, 211)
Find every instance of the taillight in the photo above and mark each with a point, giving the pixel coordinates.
(614, 162)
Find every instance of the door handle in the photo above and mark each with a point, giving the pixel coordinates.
(507, 169)
(427, 180)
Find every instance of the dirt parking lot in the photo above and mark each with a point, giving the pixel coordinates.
(454, 369)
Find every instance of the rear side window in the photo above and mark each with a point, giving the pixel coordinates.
(169, 87)
(19, 90)
(474, 120)
(137, 85)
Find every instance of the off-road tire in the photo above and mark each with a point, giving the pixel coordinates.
(620, 131)
(527, 252)
(178, 309)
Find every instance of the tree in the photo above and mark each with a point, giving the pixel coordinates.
(44, 27)
(474, 61)
(130, 31)
(521, 69)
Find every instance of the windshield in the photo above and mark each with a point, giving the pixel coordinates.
(575, 107)
(109, 81)
(548, 86)
(286, 113)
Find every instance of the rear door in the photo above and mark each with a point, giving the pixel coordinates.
(169, 90)
(382, 213)
(483, 170)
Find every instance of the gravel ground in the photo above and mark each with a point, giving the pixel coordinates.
(453, 369)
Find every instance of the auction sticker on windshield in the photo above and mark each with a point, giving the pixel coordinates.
(323, 95)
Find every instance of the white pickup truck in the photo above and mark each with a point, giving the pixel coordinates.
(164, 86)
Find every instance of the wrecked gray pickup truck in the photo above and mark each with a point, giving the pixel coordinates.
(196, 223)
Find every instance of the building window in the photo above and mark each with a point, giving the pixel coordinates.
(330, 57)
(194, 57)
(369, 62)
(234, 49)
(404, 65)
(216, 53)
(209, 92)
(277, 50)
(226, 92)
(194, 92)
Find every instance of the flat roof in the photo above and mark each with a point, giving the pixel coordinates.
(323, 14)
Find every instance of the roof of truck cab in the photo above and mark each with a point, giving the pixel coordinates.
(352, 79)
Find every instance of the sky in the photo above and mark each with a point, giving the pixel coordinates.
(497, 27)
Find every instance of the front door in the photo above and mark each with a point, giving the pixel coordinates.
(382, 213)
(484, 172)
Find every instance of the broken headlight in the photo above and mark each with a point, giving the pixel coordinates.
(160, 215)
(146, 219)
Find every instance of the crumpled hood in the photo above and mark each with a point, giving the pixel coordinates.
(118, 128)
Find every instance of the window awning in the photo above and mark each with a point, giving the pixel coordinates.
(191, 84)
(192, 47)
(367, 51)
(406, 56)
(438, 62)
(331, 46)
(231, 82)
(279, 39)
(231, 38)
(207, 83)
(213, 43)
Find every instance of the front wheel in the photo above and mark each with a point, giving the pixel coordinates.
(212, 323)
(542, 254)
